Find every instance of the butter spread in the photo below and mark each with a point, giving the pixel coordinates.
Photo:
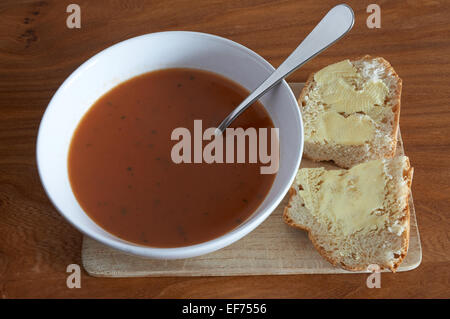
(351, 105)
(352, 200)
(341, 87)
(352, 130)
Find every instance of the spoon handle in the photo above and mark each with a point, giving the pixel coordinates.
(336, 23)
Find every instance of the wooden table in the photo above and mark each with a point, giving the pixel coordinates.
(38, 51)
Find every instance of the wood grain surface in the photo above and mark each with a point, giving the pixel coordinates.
(38, 51)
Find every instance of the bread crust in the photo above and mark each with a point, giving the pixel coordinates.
(397, 96)
(395, 108)
(407, 176)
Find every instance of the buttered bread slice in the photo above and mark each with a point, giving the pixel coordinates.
(355, 217)
(351, 111)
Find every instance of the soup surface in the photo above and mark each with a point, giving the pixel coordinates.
(122, 174)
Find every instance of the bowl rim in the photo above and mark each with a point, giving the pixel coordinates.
(173, 252)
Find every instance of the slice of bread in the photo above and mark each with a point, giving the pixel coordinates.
(356, 217)
(351, 111)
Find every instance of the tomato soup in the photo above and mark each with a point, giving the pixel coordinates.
(122, 174)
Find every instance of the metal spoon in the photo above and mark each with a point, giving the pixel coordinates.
(336, 23)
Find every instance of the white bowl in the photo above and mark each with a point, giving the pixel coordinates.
(143, 54)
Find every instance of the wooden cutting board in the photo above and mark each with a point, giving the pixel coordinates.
(271, 249)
